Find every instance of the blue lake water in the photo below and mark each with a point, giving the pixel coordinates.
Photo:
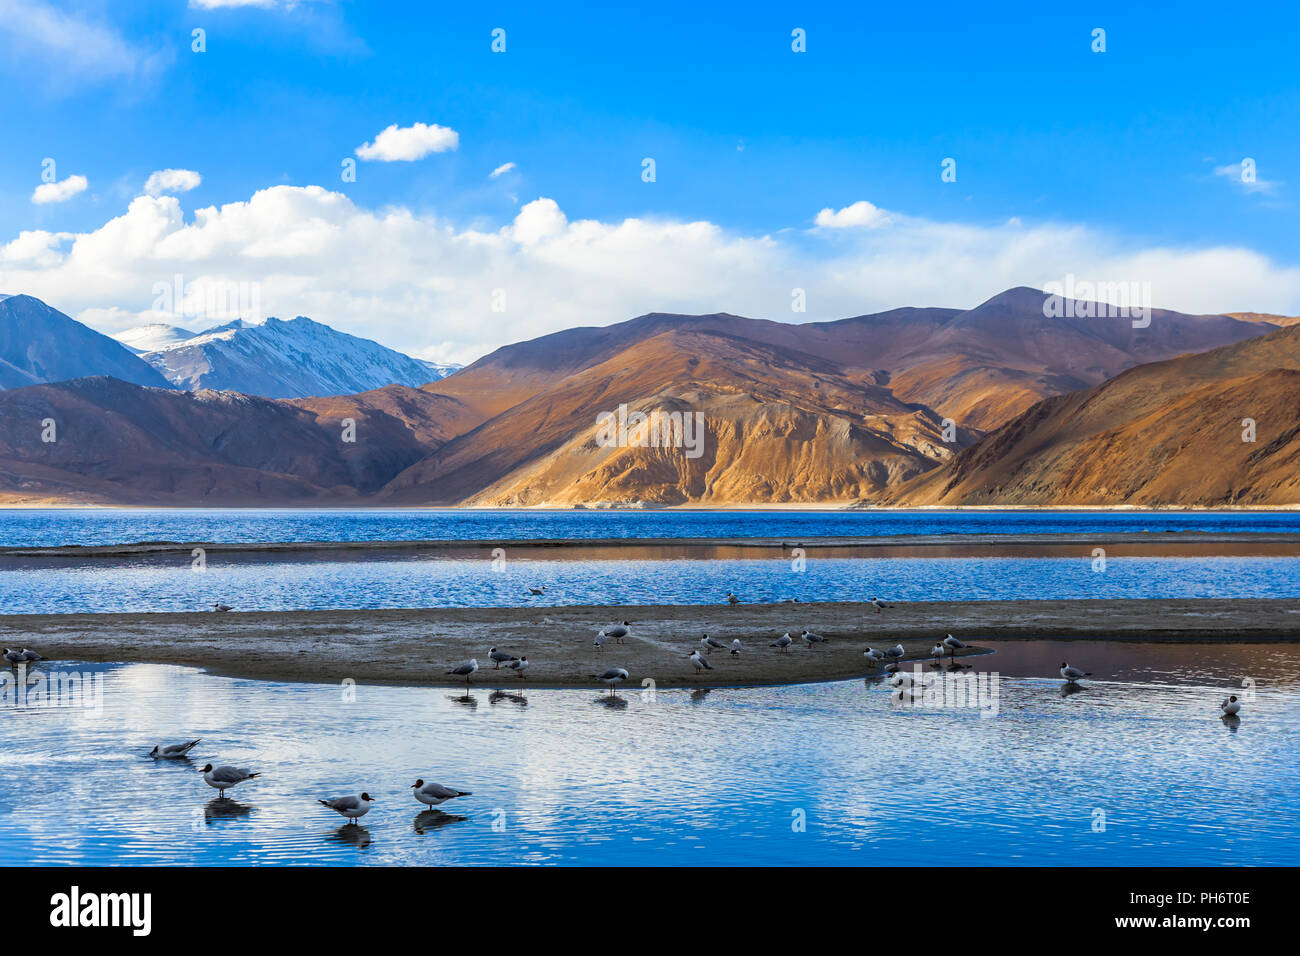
(1135, 769)
(46, 528)
(169, 584)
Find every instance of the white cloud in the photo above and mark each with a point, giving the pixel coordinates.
(409, 143)
(225, 4)
(861, 214)
(501, 170)
(60, 191)
(1245, 176)
(171, 181)
(426, 285)
(69, 47)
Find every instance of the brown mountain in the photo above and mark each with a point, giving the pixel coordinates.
(1165, 433)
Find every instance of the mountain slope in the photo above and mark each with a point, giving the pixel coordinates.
(153, 337)
(1168, 433)
(41, 344)
(285, 359)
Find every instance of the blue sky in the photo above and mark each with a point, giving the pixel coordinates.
(1125, 162)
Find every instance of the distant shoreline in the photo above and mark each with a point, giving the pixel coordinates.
(417, 646)
(636, 508)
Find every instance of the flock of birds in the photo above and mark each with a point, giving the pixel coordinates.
(224, 778)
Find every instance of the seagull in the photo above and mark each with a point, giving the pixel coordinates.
(172, 751)
(612, 676)
(1072, 674)
(904, 679)
(518, 666)
(735, 647)
(873, 655)
(890, 668)
(500, 657)
(1230, 706)
(878, 604)
(700, 661)
(465, 669)
(14, 657)
(350, 807)
(221, 607)
(936, 652)
(31, 657)
(954, 645)
(810, 638)
(895, 652)
(432, 794)
(732, 599)
(537, 590)
(783, 642)
(617, 632)
(600, 639)
(710, 643)
(223, 778)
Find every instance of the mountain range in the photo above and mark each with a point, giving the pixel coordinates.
(897, 407)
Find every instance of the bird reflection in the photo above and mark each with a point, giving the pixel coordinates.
(433, 819)
(499, 695)
(1068, 689)
(466, 700)
(1232, 722)
(351, 833)
(700, 694)
(224, 808)
(613, 702)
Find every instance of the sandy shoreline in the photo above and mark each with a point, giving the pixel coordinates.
(417, 646)
(567, 546)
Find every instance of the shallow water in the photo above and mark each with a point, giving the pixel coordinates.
(53, 527)
(558, 777)
(169, 583)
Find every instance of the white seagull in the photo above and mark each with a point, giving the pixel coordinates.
(1230, 706)
(710, 643)
(953, 645)
(350, 807)
(611, 677)
(518, 666)
(894, 653)
(732, 599)
(735, 647)
(700, 661)
(878, 604)
(432, 794)
(1072, 674)
(221, 607)
(601, 638)
(936, 652)
(500, 657)
(172, 751)
(618, 632)
(537, 590)
(873, 655)
(783, 642)
(810, 638)
(465, 670)
(21, 656)
(223, 778)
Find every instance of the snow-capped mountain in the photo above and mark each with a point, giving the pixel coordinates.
(278, 358)
(154, 337)
(40, 344)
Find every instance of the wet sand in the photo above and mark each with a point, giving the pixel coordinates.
(417, 646)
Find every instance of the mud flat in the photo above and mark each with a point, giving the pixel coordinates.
(417, 646)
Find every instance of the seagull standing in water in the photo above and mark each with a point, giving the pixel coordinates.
(172, 751)
(1072, 674)
(350, 807)
(432, 794)
(783, 642)
(518, 666)
(612, 677)
(700, 661)
(810, 638)
(222, 779)
(618, 632)
(711, 643)
(1230, 707)
(465, 670)
(936, 653)
(500, 657)
(735, 647)
(954, 645)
